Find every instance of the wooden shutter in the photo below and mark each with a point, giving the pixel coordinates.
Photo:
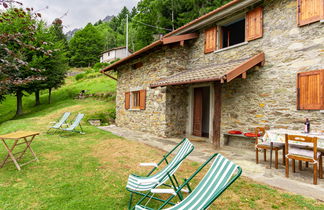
(127, 100)
(254, 24)
(197, 115)
(142, 99)
(310, 90)
(210, 39)
(310, 11)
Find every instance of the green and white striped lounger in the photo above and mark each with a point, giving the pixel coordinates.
(61, 122)
(219, 177)
(139, 183)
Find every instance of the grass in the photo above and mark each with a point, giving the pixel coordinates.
(90, 171)
(61, 98)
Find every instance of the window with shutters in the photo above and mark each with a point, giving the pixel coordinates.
(310, 90)
(232, 33)
(135, 100)
(310, 11)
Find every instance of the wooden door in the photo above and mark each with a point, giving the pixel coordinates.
(197, 114)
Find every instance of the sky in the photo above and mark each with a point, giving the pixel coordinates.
(79, 12)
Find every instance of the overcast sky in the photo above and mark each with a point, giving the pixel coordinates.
(80, 12)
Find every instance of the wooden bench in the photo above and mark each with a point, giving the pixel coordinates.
(227, 137)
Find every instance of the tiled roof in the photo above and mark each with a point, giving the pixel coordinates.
(211, 72)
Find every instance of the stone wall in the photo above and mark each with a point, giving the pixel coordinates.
(176, 110)
(268, 96)
(155, 118)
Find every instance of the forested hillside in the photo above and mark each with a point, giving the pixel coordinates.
(148, 20)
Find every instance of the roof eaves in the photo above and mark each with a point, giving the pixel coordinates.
(185, 82)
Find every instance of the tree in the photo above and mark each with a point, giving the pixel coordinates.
(86, 46)
(17, 31)
(54, 66)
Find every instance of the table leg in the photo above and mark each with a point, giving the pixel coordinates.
(271, 148)
(10, 154)
(227, 140)
(28, 143)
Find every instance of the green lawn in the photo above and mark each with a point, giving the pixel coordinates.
(90, 171)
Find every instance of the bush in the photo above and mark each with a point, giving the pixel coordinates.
(112, 114)
(80, 76)
(106, 117)
(98, 66)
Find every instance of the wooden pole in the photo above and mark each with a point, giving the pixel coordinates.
(217, 114)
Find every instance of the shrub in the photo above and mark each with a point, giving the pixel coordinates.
(80, 76)
(98, 66)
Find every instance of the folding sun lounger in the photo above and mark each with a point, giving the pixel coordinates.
(219, 177)
(139, 183)
(60, 123)
(75, 124)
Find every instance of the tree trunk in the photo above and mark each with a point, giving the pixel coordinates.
(37, 101)
(49, 95)
(19, 96)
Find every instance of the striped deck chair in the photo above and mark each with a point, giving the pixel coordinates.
(138, 184)
(75, 124)
(59, 124)
(219, 177)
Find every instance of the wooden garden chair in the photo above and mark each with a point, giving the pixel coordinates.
(76, 123)
(59, 124)
(266, 146)
(296, 153)
(139, 184)
(221, 174)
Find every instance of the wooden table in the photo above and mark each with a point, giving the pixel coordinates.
(278, 135)
(20, 138)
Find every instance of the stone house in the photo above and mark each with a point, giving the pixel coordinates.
(113, 54)
(248, 63)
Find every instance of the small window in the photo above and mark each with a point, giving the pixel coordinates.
(310, 89)
(137, 65)
(233, 33)
(108, 53)
(135, 100)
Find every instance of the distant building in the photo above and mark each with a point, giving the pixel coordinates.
(113, 54)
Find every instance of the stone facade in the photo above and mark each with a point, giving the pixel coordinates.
(266, 98)
(158, 117)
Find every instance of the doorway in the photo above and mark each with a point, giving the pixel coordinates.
(201, 112)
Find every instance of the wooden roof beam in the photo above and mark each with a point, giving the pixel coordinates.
(179, 38)
(241, 69)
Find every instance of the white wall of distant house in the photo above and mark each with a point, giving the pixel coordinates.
(113, 55)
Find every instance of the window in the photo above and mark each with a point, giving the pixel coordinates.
(137, 65)
(310, 90)
(310, 11)
(233, 33)
(241, 28)
(135, 100)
